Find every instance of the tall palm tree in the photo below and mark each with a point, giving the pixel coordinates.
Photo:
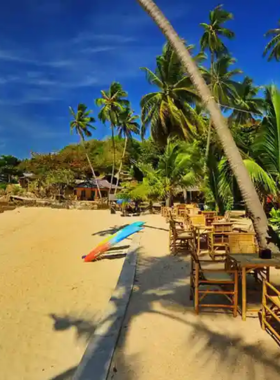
(211, 40)
(273, 47)
(179, 166)
(82, 124)
(247, 104)
(112, 103)
(167, 111)
(266, 148)
(245, 184)
(221, 80)
(127, 125)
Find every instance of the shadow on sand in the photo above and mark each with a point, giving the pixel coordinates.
(109, 231)
(229, 349)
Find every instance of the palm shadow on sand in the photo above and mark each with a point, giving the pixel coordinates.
(228, 348)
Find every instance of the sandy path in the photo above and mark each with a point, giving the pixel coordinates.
(162, 339)
(50, 300)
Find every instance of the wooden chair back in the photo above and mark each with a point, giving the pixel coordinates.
(181, 210)
(193, 211)
(209, 214)
(198, 220)
(222, 227)
(164, 211)
(218, 218)
(191, 205)
(242, 243)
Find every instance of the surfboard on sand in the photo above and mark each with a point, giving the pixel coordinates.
(112, 240)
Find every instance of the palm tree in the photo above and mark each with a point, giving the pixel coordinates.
(179, 166)
(82, 124)
(126, 126)
(247, 105)
(167, 111)
(266, 148)
(245, 184)
(112, 103)
(274, 44)
(211, 40)
(221, 80)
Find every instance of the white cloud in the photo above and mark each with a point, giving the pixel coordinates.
(95, 37)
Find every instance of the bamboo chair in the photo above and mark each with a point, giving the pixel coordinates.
(271, 309)
(193, 211)
(199, 224)
(242, 242)
(209, 216)
(198, 220)
(205, 281)
(164, 211)
(181, 211)
(171, 213)
(245, 243)
(218, 239)
(180, 238)
(218, 218)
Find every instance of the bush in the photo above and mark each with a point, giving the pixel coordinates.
(3, 186)
(274, 220)
(15, 190)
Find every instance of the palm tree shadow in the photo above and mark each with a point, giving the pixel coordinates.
(167, 289)
(157, 228)
(84, 328)
(109, 231)
(67, 375)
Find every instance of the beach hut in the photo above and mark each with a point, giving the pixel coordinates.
(87, 190)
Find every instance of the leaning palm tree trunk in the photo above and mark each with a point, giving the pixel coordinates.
(121, 164)
(114, 158)
(233, 155)
(210, 120)
(91, 167)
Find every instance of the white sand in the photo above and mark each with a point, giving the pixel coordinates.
(162, 338)
(50, 300)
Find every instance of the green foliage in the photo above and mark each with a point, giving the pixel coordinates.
(150, 152)
(247, 104)
(273, 46)
(221, 80)
(82, 122)
(211, 38)
(112, 103)
(266, 148)
(179, 166)
(73, 157)
(9, 167)
(127, 124)
(168, 111)
(274, 220)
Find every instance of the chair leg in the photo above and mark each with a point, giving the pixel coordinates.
(196, 294)
(235, 300)
(263, 305)
(191, 281)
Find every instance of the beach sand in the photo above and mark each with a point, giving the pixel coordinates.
(162, 338)
(50, 300)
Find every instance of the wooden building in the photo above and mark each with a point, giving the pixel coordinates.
(87, 190)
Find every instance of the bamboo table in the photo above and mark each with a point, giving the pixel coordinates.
(246, 263)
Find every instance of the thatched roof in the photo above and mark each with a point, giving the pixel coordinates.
(91, 183)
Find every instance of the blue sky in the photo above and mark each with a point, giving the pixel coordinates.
(56, 53)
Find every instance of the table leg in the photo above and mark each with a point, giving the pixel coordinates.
(268, 274)
(198, 242)
(244, 293)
